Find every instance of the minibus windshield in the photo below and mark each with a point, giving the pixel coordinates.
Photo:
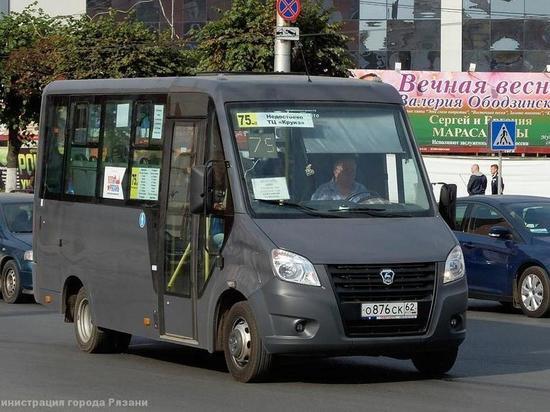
(317, 159)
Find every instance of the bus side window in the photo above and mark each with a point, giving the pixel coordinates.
(116, 149)
(214, 228)
(147, 151)
(56, 133)
(81, 170)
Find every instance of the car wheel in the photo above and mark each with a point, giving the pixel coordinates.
(91, 338)
(11, 283)
(534, 292)
(435, 363)
(245, 355)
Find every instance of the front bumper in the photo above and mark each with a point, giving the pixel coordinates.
(279, 306)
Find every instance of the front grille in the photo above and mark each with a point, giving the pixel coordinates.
(356, 284)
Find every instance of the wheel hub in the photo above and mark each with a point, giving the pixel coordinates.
(84, 321)
(532, 292)
(240, 342)
(11, 283)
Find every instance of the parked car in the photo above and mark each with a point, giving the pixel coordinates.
(15, 245)
(506, 246)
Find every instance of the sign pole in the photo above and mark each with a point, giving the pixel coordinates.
(282, 49)
(499, 180)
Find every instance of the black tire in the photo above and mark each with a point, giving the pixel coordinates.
(249, 361)
(435, 363)
(91, 338)
(534, 279)
(11, 283)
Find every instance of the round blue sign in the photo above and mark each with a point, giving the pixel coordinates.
(142, 220)
(289, 10)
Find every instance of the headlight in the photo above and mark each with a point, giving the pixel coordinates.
(28, 255)
(293, 268)
(454, 266)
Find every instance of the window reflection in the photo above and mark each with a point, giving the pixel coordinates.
(372, 35)
(477, 9)
(427, 9)
(427, 35)
(481, 58)
(507, 35)
(507, 62)
(373, 60)
(373, 10)
(507, 9)
(476, 34)
(400, 34)
(426, 60)
(403, 57)
(194, 10)
(537, 9)
(537, 34)
(400, 9)
(536, 61)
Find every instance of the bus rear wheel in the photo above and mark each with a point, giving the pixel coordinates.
(245, 355)
(91, 338)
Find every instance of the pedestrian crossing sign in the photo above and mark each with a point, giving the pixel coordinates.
(503, 135)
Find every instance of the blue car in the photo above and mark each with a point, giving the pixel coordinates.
(506, 246)
(15, 245)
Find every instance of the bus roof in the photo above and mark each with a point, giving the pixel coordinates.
(236, 87)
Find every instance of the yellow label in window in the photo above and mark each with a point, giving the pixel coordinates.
(134, 183)
(247, 120)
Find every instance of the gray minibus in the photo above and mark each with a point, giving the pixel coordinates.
(255, 215)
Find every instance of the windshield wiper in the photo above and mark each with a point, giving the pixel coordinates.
(309, 210)
(370, 211)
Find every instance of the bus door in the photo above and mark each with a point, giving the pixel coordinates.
(178, 234)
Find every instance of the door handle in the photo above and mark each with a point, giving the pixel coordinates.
(468, 244)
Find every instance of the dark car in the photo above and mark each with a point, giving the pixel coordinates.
(506, 246)
(15, 245)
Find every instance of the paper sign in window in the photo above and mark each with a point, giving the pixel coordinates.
(144, 183)
(275, 119)
(158, 121)
(270, 188)
(122, 114)
(112, 182)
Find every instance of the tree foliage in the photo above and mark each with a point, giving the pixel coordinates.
(108, 48)
(243, 40)
(21, 36)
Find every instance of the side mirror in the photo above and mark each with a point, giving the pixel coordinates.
(500, 232)
(208, 187)
(197, 189)
(447, 204)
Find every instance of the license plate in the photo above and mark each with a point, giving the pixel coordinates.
(389, 310)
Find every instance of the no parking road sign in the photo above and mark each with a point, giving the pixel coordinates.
(503, 135)
(289, 10)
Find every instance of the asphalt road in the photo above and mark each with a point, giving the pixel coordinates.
(504, 365)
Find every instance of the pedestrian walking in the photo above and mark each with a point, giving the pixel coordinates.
(494, 180)
(478, 182)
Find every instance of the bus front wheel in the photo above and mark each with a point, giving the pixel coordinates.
(91, 338)
(245, 355)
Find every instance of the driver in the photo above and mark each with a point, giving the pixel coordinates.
(343, 184)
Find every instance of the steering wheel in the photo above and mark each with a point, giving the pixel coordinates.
(366, 198)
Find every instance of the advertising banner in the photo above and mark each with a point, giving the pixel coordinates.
(26, 166)
(450, 112)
